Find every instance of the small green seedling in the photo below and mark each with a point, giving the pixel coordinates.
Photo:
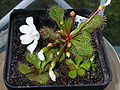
(39, 69)
(80, 66)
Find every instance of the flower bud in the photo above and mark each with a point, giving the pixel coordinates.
(68, 54)
(72, 14)
(50, 44)
(58, 53)
(52, 75)
(41, 55)
(60, 31)
(69, 44)
(61, 23)
(107, 2)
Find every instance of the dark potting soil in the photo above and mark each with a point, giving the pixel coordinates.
(19, 51)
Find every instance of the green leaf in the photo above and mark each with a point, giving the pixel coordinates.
(33, 59)
(52, 65)
(41, 78)
(46, 68)
(23, 68)
(44, 63)
(82, 48)
(62, 57)
(49, 56)
(86, 65)
(72, 73)
(32, 77)
(93, 66)
(76, 30)
(84, 36)
(73, 50)
(67, 23)
(78, 59)
(57, 14)
(86, 49)
(92, 58)
(81, 72)
(70, 62)
(96, 22)
(76, 43)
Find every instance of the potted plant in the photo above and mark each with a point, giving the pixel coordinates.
(56, 48)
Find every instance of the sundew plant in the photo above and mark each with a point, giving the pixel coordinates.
(69, 43)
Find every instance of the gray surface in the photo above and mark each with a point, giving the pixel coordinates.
(3, 40)
(63, 4)
(115, 66)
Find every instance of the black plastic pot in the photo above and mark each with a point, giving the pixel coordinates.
(41, 15)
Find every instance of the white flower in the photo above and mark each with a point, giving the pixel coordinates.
(52, 75)
(80, 19)
(107, 2)
(31, 35)
(101, 7)
(41, 55)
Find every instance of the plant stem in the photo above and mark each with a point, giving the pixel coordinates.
(71, 23)
(65, 28)
(85, 24)
(61, 51)
(54, 44)
(63, 24)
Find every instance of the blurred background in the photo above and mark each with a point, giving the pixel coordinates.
(111, 31)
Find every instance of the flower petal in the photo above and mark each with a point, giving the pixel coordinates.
(36, 34)
(108, 2)
(26, 39)
(80, 19)
(29, 21)
(52, 75)
(32, 46)
(41, 55)
(26, 29)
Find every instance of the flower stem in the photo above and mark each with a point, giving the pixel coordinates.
(85, 24)
(60, 53)
(62, 23)
(71, 23)
(54, 44)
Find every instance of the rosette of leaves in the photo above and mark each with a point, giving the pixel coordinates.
(38, 70)
(79, 66)
(80, 39)
(81, 43)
